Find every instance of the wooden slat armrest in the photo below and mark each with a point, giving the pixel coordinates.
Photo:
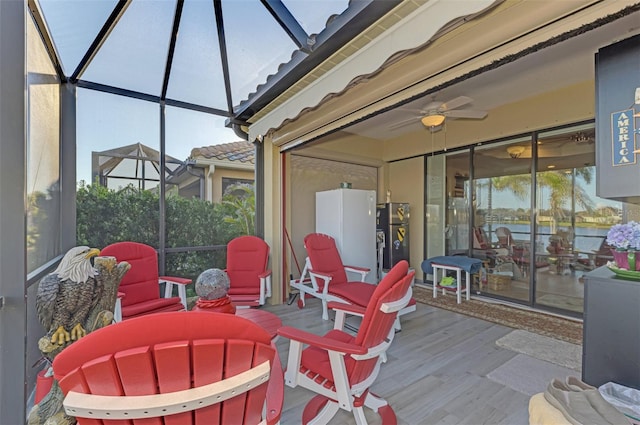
(349, 308)
(264, 274)
(319, 341)
(159, 405)
(174, 279)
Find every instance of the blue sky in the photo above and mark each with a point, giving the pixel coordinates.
(106, 121)
(134, 57)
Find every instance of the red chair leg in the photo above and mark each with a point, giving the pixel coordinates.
(318, 407)
(303, 296)
(387, 415)
(380, 405)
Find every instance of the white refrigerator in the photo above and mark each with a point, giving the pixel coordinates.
(349, 216)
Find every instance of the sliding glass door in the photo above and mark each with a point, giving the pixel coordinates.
(527, 207)
(457, 215)
(570, 227)
(502, 217)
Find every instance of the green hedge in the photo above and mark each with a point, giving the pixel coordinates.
(105, 216)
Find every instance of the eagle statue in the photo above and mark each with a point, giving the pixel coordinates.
(67, 295)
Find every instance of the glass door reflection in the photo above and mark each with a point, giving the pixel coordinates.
(566, 228)
(501, 218)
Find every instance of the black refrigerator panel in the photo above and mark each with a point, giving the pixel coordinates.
(398, 245)
(393, 220)
(392, 213)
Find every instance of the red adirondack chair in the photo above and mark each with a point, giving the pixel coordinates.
(340, 367)
(249, 277)
(173, 368)
(325, 276)
(139, 292)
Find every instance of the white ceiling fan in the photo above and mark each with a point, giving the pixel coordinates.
(434, 114)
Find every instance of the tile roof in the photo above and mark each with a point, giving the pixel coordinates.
(241, 151)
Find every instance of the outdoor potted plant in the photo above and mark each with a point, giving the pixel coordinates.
(625, 240)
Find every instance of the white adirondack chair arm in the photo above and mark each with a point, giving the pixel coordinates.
(397, 305)
(374, 352)
(326, 279)
(362, 271)
(265, 283)
(168, 289)
(159, 405)
(265, 288)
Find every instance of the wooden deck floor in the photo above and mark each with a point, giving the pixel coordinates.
(436, 371)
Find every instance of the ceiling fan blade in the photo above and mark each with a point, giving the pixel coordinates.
(432, 106)
(424, 110)
(466, 113)
(455, 103)
(412, 111)
(403, 123)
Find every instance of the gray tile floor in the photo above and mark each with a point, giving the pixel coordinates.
(436, 371)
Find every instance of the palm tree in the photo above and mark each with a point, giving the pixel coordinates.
(561, 185)
(239, 204)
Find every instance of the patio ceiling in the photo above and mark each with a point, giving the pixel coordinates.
(228, 58)
(569, 62)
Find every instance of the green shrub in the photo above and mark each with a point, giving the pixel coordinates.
(105, 216)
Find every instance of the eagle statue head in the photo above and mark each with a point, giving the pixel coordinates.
(76, 264)
(66, 295)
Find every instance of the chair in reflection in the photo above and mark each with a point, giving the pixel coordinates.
(484, 250)
(522, 257)
(561, 251)
(596, 258)
(561, 242)
(481, 241)
(505, 239)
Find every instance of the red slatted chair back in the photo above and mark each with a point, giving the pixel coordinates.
(140, 283)
(480, 239)
(376, 324)
(324, 257)
(247, 258)
(169, 352)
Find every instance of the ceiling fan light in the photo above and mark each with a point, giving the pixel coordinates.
(515, 151)
(582, 138)
(432, 120)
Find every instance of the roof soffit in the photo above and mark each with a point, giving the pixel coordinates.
(224, 164)
(465, 50)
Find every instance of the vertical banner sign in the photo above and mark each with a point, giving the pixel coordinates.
(623, 138)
